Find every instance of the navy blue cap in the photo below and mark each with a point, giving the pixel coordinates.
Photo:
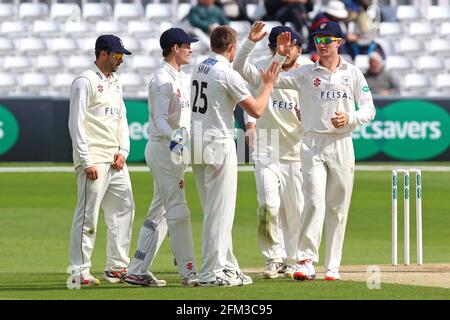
(110, 43)
(329, 28)
(174, 35)
(280, 29)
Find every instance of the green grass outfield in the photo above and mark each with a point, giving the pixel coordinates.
(36, 213)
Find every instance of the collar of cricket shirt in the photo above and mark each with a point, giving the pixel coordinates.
(221, 58)
(174, 72)
(100, 74)
(342, 64)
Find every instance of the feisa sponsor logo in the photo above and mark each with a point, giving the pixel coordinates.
(405, 130)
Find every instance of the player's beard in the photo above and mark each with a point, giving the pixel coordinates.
(115, 67)
(289, 63)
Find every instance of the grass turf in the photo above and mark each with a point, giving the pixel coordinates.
(36, 213)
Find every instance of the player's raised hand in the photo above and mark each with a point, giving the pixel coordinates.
(271, 75)
(119, 161)
(256, 32)
(284, 43)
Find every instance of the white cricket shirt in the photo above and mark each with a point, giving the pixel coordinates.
(216, 88)
(97, 118)
(280, 114)
(168, 102)
(322, 93)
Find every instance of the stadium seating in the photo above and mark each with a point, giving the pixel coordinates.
(414, 84)
(57, 39)
(33, 10)
(97, 11)
(438, 14)
(63, 11)
(408, 13)
(128, 11)
(8, 83)
(7, 46)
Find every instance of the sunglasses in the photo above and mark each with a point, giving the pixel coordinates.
(117, 56)
(325, 40)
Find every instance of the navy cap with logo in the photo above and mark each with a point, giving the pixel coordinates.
(111, 43)
(275, 32)
(329, 28)
(174, 35)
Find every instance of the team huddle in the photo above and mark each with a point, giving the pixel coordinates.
(304, 174)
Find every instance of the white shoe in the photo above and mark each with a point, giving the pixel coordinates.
(115, 276)
(219, 281)
(332, 274)
(304, 270)
(288, 271)
(146, 280)
(236, 278)
(190, 280)
(82, 280)
(272, 270)
(245, 279)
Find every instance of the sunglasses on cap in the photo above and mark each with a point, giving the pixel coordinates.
(325, 40)
(117, 56)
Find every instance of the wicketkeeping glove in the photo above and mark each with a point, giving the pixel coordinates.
(178, 140)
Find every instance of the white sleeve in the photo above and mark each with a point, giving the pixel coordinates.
(163, 95)
(79, 100)
(248, 71)
(364, 102)
(236, 86)
(123, 134)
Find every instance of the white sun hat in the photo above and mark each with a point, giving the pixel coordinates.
(336, 9)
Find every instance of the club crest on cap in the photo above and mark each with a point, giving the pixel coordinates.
(322, 26)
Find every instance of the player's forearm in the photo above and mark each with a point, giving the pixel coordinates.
(124, 138)
(163, 126)
(78, 107)
(261, 101)
(77, 134)
(247, 71)
(363, 115)
(123, 133)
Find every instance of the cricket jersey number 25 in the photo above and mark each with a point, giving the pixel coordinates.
(200, 90)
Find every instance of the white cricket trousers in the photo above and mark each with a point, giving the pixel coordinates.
(328, 171)
(111, 192)
(216, 180)
(280, 200)
(168, 212)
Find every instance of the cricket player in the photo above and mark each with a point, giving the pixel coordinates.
(277, 157)
(99, 131)
(335, 99)
(215, 91)
(169, 122)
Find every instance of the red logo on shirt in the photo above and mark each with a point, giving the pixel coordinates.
(178, 93)
(189, 266)
(317, 82)
(100, 88)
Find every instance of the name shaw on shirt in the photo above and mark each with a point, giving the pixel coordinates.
(206, 65)
(334, 95)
